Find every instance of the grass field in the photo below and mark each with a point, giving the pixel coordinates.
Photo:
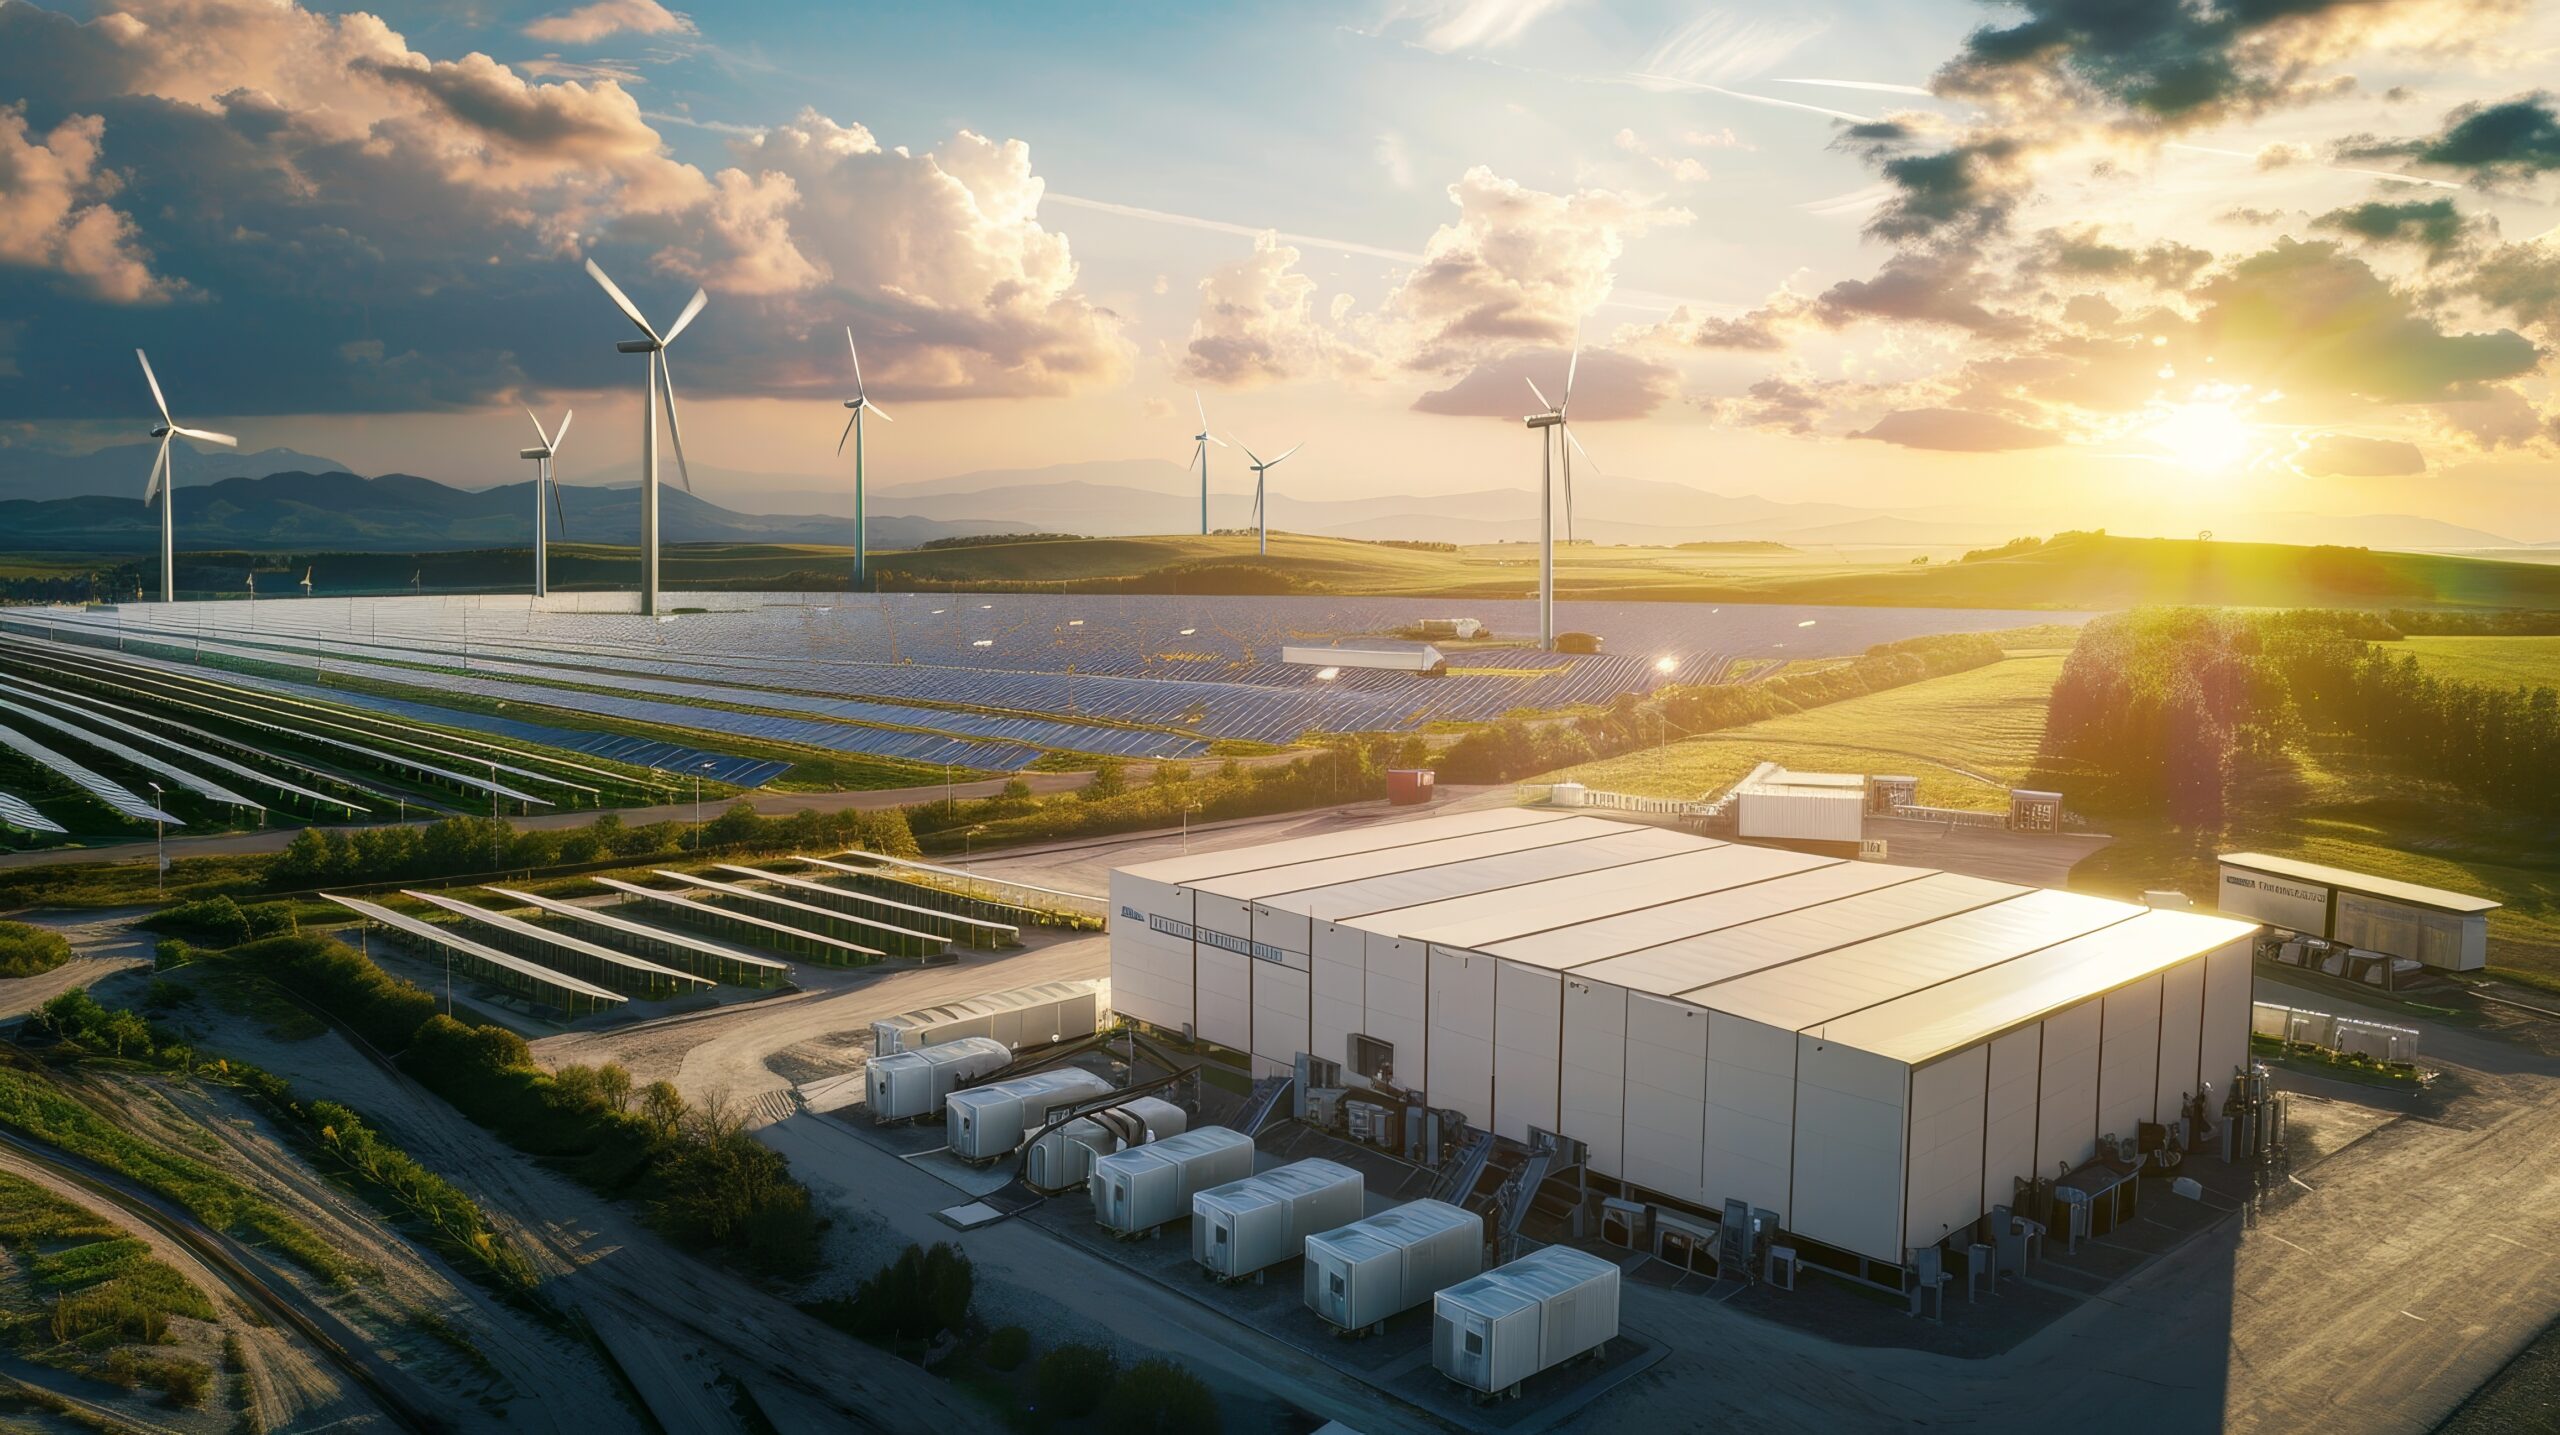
(2498, 662)
(1968, 737)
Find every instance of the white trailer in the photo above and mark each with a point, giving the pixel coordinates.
(1030, 1016)
(1420, 658)
(1367, 1271)
(1242, 1227)
(1062, 1159)
(1515, 1321)
(985, 1122)
(905, 1085)
(1139, 1191)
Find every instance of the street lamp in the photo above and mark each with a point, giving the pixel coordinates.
(159, 846)
(698, 769)
(1187, 809)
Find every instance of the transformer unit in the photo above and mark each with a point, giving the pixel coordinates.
(1138, 1191)
(1031, 1016)
(1369, 1270)
(986, 1122)
(905, 1085)
(1495, 1331)
(1060, 1160)
(1242, 1227)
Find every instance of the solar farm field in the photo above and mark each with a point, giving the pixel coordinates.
(2501, 662)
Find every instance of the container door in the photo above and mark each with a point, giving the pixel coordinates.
(1474, 1353)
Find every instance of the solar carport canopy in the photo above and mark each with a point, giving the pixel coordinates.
(535, 973)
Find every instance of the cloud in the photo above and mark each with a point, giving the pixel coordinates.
(2523, 280)
(606, 18)
(1782, 402)
(2504, 143)
(1719, 47)
(1957, 431)
(1257, 322)
(2081, 255)
(2346, 455)
(1961, 194)
(1448, 26)
(1607, 385)
(54, 218)
(1915, 288)
(1394, 160)
(2315, 323)
(2431, 225)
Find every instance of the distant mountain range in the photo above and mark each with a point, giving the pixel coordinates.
(278, 498)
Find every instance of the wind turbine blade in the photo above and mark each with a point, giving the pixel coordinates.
(849, 421)
(857, 360)
(1293, 448)
(159, 467)
(224, 439)
(1195, 403)
(558, 438)
(153, 380)
(559, 511)
(621, 300)
(537, 428)
(1576, 440)
(1541, 398)
(1222, 443)
(1572, 365)
(675, 428)
(1250, 456)
(692, 307)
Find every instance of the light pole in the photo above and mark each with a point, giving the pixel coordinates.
(497, 824)
(697, 803)
(1187, 809)
(159, 847)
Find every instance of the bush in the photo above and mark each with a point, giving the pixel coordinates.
(26, 950)
(214, 921)
(1073, 1380)
(1158, 1397)
(1007, 1348)
(915, 1297)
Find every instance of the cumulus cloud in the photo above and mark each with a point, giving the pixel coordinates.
(2503, 143)
(350, 187)
(54, 217)
(1782, 402)
(606, 18)
(2432, 226)
(2082, 255)
(1916, 288)
(2311, 321)
(2523, 280)
(1957, 431)
(2346, 455)
(1608, 385)
(1257, 322)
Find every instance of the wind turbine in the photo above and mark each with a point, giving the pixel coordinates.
(1261, 466)
(1200, 456)
(161, 484)
(542, 456)
(662, 390)
(306, 582)
(860, 403)
(1552, 416)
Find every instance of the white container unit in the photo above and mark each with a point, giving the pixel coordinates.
(1492, 1332)
(1138, 1191)
(1061, 1160)
(1030, 1016)
(1420, 658)
(1369, 1270)
(1242, 1227)
(985, 1122)
(907, 1084)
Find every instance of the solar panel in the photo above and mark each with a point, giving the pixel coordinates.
(138, 758)
(105, 719)
(683, 903)
(106, 790)
(517, 926)
(16, 812)
(429, 932)
(611, 922)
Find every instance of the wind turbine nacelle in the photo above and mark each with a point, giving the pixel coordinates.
(636, 346)
(533, 453)
(1543, 421)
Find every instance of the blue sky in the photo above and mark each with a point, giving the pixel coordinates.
(1920, 255)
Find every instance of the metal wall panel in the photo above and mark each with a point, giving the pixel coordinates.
(1461, 1046)
(1224, 1001)
(1851, 1110)
(2129, 1058)
(1291, 932)
(1593, 1100)
(1667, 1049)
(1399, 1003)
(1150, 970)
(1279, 1018)
(1528, 1035)
(2067, 1103)
(1338, 991)
(1947, 1121)
(2181, 1035)
(2009, 1113)
(1751, 1113)
(2227, 985)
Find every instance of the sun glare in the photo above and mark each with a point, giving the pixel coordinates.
(2209, 437)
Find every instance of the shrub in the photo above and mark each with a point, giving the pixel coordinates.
(1158, 1397)
(1072, 1380)
(215, 921)
(26, 950)
(1007, 1348)
(915, 1297)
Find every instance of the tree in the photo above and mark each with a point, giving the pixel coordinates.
(1109, 780)
(613, 1084)
(1072, 1380)
(1158, 1397)
(662, 1109)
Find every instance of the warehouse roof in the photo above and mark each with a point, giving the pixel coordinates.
(1272, 880)
(1792, 936)
(1769, 777)
(2364, 883)
(1824, 988)
(1371, 838)
(1647, 927)
(1474, 922)
(1623, 845)
(1956, 1014)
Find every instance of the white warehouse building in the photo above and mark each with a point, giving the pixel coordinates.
(1873, 1052)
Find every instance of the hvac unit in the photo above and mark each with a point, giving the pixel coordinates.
(1622, 1223)
(1062, 1159)
(1495, 1331)
(1685, 1244)
(1369, 1270)
(985, 1122)
(1138, 1191)
(1240, 1228)
(907, 1084)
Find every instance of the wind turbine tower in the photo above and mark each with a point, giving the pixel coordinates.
(542, 454)
(860, 403)
(661, 391)
(161, 483)
(1200, 456)
(1552, 449)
